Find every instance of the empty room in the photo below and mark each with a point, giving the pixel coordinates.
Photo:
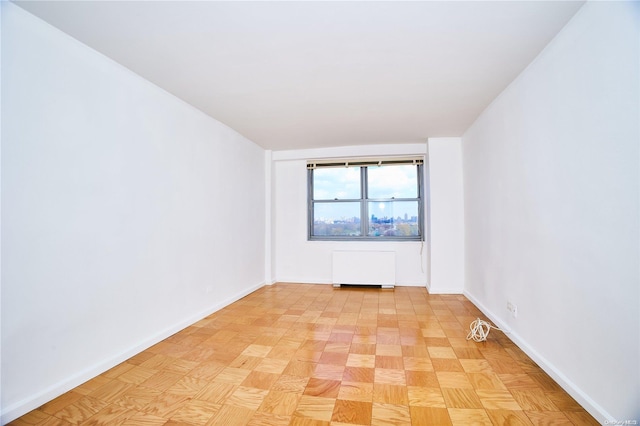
(320, 213)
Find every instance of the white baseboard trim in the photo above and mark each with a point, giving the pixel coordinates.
(411, 284)
(595, 409)
(25, 405)
(324, 282)
(290, 280)
(431, 289)
(444, 290)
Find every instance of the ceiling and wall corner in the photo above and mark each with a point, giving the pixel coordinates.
(299, 75)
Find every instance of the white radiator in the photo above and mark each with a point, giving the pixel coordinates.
(364, 268)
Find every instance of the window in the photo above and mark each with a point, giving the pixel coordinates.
(366, 200)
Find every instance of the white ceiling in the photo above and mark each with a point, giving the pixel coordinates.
(293, 75)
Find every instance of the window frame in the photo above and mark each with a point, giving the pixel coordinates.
(364, 200)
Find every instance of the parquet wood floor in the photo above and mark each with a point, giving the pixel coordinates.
(295, 354)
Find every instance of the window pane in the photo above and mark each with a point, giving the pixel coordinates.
(341, 183)
(393, 181)
(336, 219)
(394, 219)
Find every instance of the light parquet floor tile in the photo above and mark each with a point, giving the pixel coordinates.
(268, 419)
(429, 416)
(322, 387)
(390, 415)
(315, 407)
(356, 391)
(247, 397)
(143, 419)
(280, 403)
(196, 412)
(390, 394)
(352, 412)
(465, 416)
(231, 415)
(425, 397)
(312, 355)
(81, 410)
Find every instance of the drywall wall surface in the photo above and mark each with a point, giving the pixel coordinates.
(127, 214)
(0, 212)
(446, 216)
(551, 178)
(298, 260)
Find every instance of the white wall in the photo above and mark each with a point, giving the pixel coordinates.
(1, 10)
(268, 218)
(446, 207)
(299, 260)
(127, 214)
(551, 177)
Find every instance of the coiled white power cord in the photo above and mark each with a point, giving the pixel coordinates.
(479, 330)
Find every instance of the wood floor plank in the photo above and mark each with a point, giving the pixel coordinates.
(300, 354)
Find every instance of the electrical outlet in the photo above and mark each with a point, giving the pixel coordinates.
(513, 308)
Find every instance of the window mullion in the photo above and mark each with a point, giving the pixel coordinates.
(364, 207)
(421, 227)
(310, 203)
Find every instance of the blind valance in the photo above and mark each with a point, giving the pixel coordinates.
(362, 162)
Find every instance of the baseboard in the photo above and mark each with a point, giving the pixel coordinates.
(411, 284)
(289, 280)
(431, 289)
(580, 396)
(22, 407)
(444, 291)
(323, 282)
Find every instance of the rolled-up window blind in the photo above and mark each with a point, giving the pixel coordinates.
(362, 162)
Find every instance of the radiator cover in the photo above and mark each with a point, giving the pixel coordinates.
(364, 268)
